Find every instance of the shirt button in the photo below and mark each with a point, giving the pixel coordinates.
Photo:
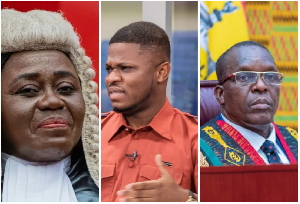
(130, 164)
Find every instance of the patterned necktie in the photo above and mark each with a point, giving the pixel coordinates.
(269, 149)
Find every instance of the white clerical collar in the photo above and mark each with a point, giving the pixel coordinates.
(36, 181)
(4, 157)
(253, 138)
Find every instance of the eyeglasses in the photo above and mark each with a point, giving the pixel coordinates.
(250, 77)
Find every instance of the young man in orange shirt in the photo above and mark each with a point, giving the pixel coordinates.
(149, 150)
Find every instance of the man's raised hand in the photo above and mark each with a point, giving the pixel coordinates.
(163, 189)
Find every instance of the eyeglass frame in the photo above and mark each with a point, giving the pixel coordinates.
(261, 76)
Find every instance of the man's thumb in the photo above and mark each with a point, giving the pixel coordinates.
(161, 165)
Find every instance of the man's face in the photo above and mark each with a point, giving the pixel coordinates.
(130, 79)
(252, 104)
(42, 106)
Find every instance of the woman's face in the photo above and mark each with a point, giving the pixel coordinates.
(42, 106)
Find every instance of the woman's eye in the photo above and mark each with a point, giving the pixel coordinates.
(66, 90)
(28, 91)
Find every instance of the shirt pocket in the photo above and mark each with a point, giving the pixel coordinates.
(151, 172)
(107, 181)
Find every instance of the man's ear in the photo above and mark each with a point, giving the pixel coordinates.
(163, 71)
(219, 94)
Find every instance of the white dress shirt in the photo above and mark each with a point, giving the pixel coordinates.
(257, 141)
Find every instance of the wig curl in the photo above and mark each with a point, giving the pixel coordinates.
(44, 30)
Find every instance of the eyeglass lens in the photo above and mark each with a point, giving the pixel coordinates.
(251, 77)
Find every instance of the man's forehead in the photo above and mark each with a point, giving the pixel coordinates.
(123, 49)
(244, 56)
(250, 52)
(131, 51)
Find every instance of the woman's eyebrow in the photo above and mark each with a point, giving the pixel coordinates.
(65, 73)
(26, 76)
(36, 75)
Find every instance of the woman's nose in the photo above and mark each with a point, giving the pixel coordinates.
(51, 100)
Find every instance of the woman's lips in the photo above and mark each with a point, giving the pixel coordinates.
(54, 123)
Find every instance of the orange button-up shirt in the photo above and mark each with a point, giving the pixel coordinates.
(171, 133)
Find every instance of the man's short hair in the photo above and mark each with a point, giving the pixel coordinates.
(221, 64)
(150, 37)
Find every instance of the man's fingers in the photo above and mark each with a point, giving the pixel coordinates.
(138, 193)
(145, 185)
(160, 164)
(136, 200)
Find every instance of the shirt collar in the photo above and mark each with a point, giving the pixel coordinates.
(116, 122)
(161, 123)
(253, 138)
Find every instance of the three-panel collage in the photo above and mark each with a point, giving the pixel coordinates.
(149, 101)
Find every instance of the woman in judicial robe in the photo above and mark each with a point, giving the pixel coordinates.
(49, 117)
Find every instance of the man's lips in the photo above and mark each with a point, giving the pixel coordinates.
(261, 104)
(54, 123)
(115, 93)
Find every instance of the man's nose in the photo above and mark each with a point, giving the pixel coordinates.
(260, 85)
(113, 77)
(50, 101)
